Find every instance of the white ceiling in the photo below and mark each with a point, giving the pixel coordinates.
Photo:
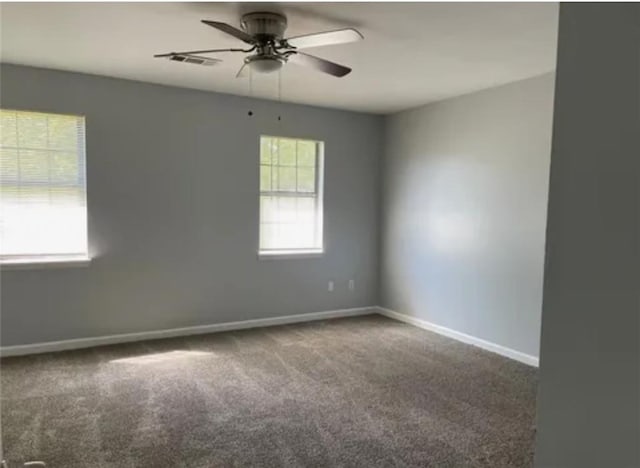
(413, 53)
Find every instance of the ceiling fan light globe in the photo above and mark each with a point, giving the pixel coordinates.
(265, 64)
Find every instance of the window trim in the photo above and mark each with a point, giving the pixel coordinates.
(318, 194)
(32, 262)
(279, 254)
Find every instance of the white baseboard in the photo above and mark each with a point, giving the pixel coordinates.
(52, 346)
(472, 340)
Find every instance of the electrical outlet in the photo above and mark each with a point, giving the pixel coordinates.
(330, 286)
(352, 285)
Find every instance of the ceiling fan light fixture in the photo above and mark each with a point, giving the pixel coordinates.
(265, 63)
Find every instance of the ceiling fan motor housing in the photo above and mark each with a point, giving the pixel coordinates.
(265, 26)
(267, 29)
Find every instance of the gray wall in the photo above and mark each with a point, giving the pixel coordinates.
(173, 211)
(464, 207)
(589, 401)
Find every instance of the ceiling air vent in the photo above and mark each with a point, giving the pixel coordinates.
(194, 59)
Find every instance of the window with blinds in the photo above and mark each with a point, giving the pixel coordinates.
(43, 210)
(290, 196)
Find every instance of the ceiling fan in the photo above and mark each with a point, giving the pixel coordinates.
(268, 50)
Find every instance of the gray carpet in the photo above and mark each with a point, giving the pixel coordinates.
(363, 391)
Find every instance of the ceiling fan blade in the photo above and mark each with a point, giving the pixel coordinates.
(243, 72)
(190, 58)
(319, 64)
(340, 36)
(227, 28)
(208, 51)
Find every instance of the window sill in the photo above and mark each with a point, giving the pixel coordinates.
(289, 254)
(43, 262)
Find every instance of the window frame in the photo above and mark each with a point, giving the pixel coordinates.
(317, 195)
(53, 260)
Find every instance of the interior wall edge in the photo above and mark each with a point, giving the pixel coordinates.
(462, 337)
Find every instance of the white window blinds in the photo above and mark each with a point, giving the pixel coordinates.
(290, 195)
(43, 210)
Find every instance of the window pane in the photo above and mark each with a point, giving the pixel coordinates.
(296, 236)
(306, 153)
(306, 179)
(306, 210)
(287, 179)
(265, 178)
(32, 130)
(287, 152)
(62, 132)
(287, 210)
(8, 164)
(265, 150)
(23, 227)
(42, 183)
(275, 149)
(64, 167)
(34, 166)
(60, 195)
(8, 129)
(269, 236)
(32, 194)
(290, 217)
(268, 209)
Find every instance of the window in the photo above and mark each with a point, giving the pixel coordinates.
(43, 210)
(290, 196)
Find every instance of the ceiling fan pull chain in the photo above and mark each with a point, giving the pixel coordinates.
(250, 88)
(280, 96)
